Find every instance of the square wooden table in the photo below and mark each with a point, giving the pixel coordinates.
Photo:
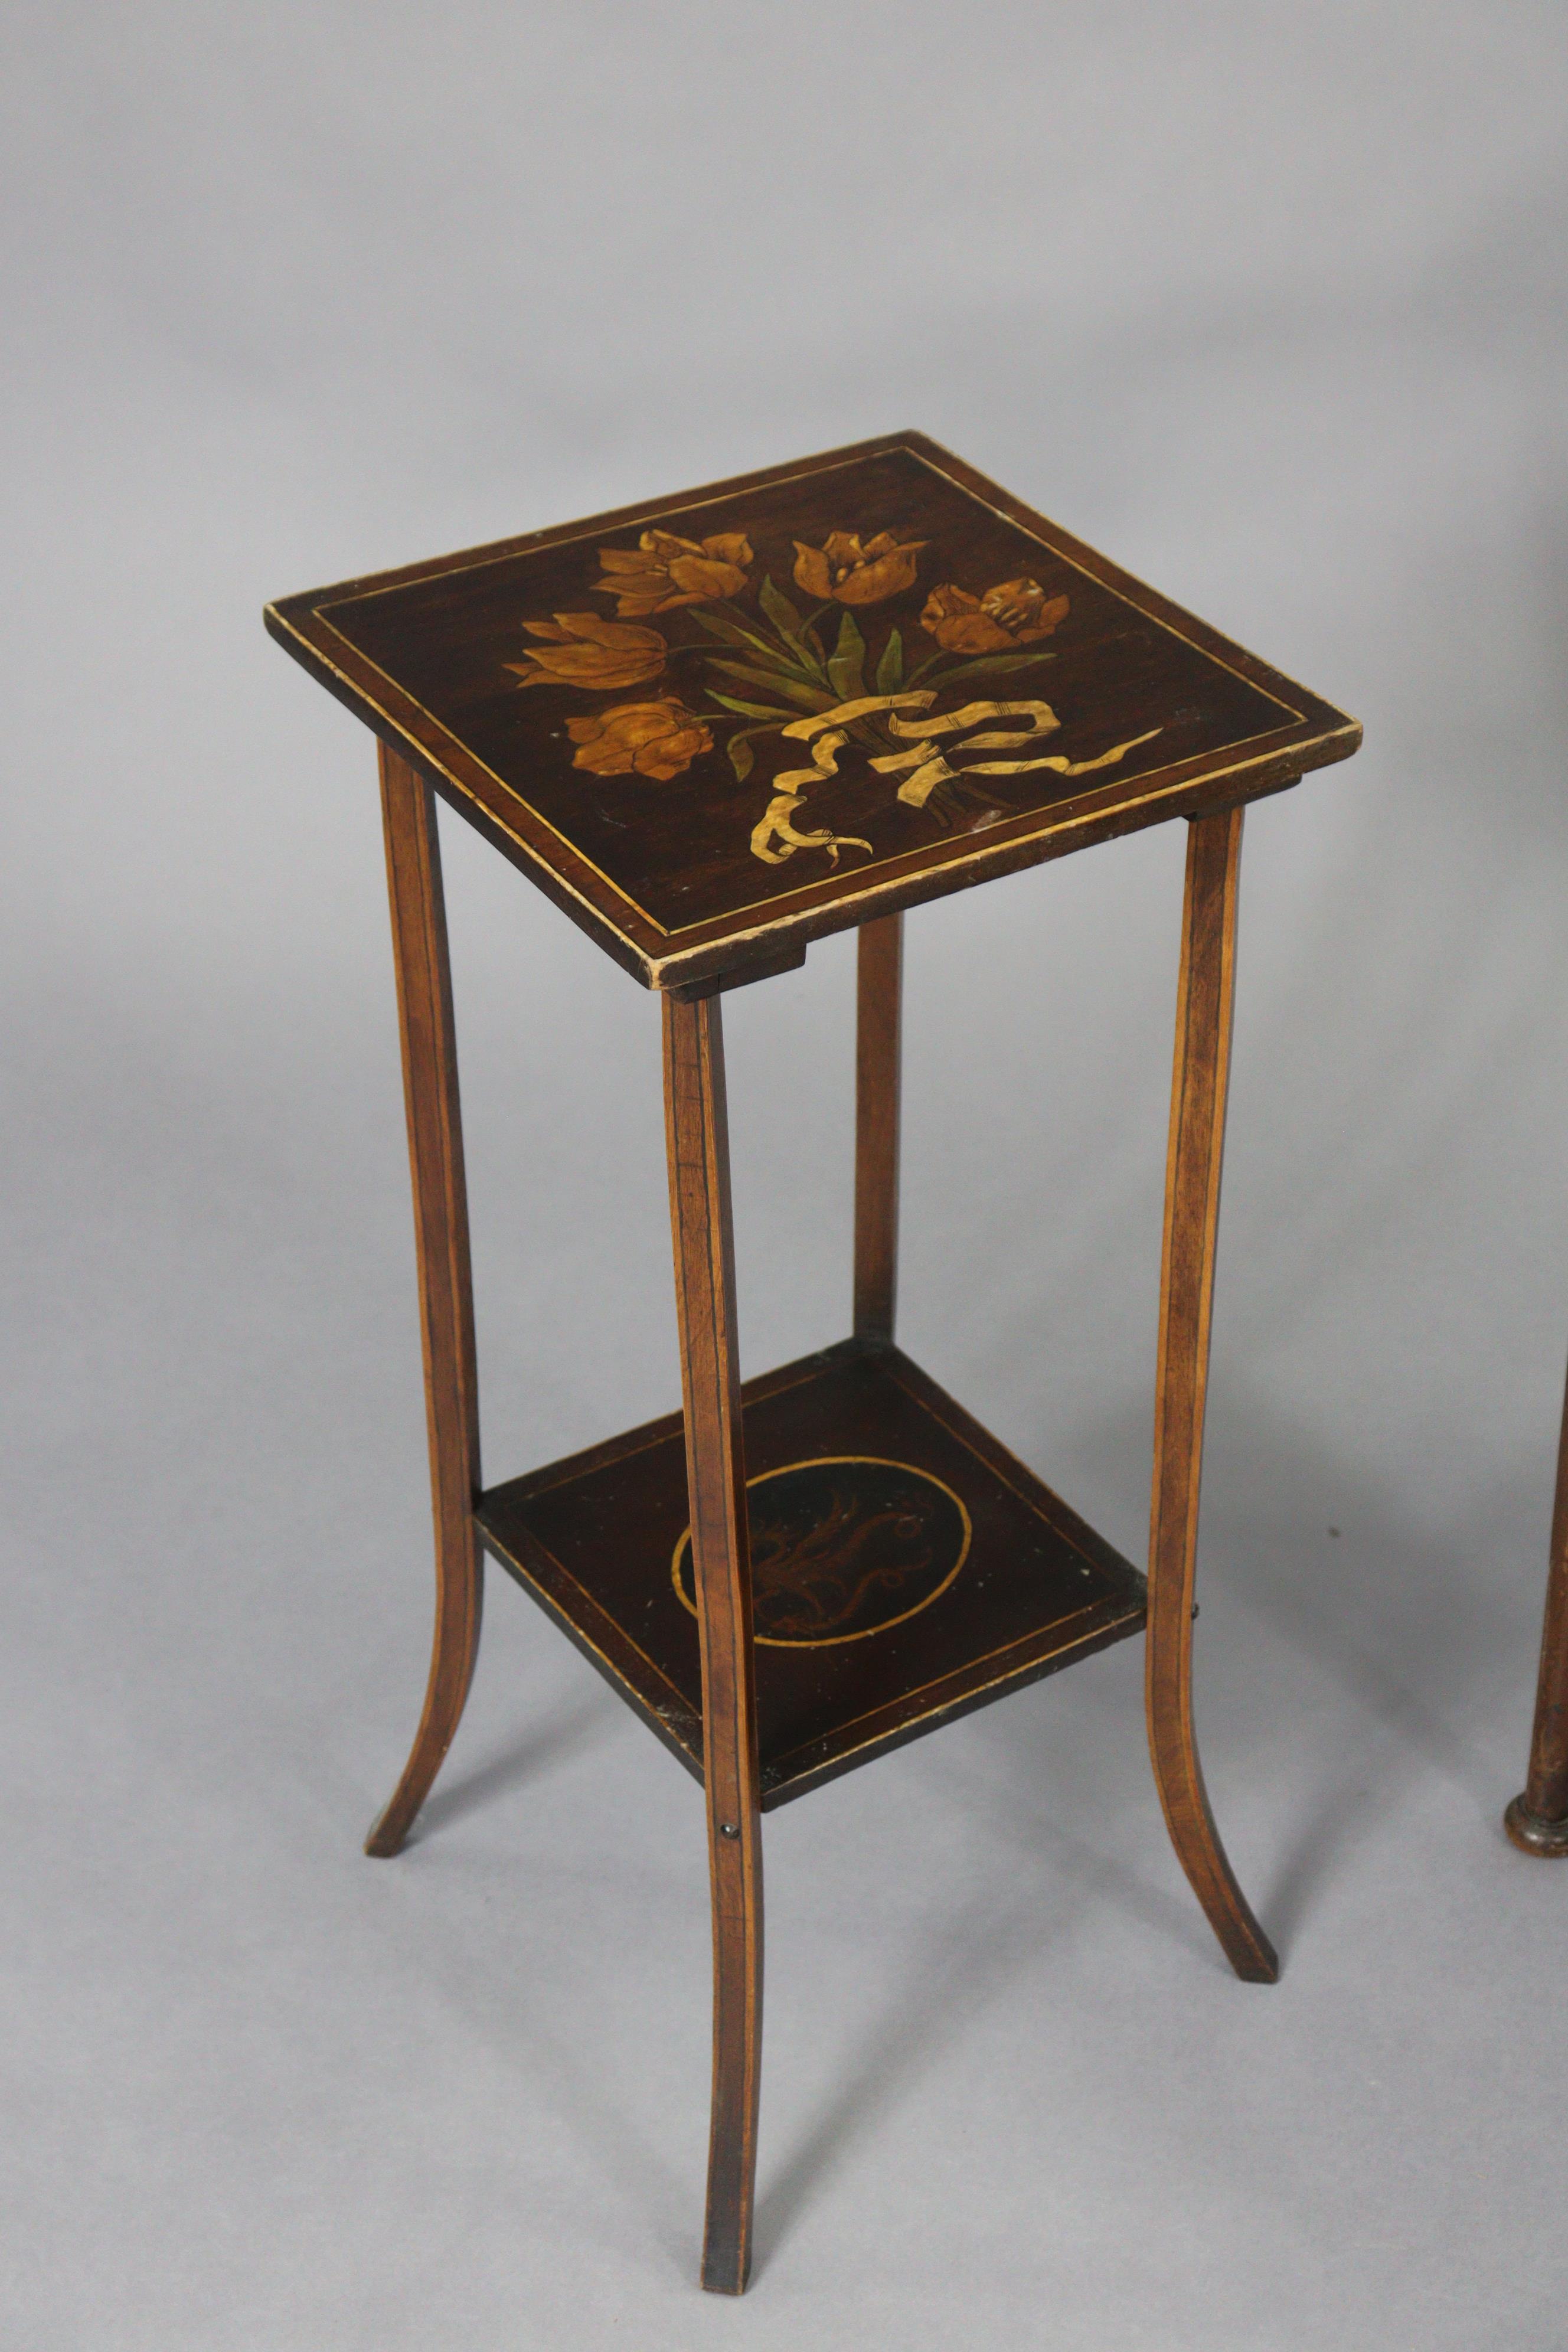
(713, 728)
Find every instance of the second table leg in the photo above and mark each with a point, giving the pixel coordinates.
(445, 1290)
(1204, 1002)
(697, 1136)
(878, 1047)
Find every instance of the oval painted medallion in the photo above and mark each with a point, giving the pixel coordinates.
(843, 1546)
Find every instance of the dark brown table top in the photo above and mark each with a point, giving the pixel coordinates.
(716, 726)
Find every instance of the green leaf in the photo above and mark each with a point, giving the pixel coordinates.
(994, 666)
(810, 697)
(763, 650)
(749, 709)
(847, 670)
(778, 610)
(741, 757)
(891, 668)
(782, 664)
(811, 643)
(718, 625)
(800, 641)
(958, 671)
(736, 633)
(914, 677)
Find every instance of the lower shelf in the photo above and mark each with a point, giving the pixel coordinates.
(906, 1568)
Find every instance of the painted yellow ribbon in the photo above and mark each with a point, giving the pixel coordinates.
(777, 838)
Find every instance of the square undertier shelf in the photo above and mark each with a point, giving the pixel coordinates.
(906, 1568)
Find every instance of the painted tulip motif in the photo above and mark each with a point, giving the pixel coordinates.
(663, 571)
(584, 649)
(848, 573)
(1018, 613)
(823, 683)
(658, 738)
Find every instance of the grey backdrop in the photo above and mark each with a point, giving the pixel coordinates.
(1266, 300)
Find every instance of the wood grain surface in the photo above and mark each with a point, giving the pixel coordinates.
(877, 1079)
(595, 1539)
(445, 1290)
(697, 1135)
(610, 703)
(1206, 991)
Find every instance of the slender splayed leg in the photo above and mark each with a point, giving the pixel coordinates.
(1537, 1821)
(876, 1076)
(697, 1135)
(1203, 1001)
(445, 1294)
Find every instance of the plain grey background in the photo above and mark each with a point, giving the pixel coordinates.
(1267, 301)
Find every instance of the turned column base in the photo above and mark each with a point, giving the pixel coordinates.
(1533, 1835)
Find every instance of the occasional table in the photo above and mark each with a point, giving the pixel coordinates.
(1537, 1820)
(713, 728)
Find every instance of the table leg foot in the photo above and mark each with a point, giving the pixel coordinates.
(737, 2055)
(1531, 1834)
(460, 1605)
(1203, 1857)
(1537, 1820)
